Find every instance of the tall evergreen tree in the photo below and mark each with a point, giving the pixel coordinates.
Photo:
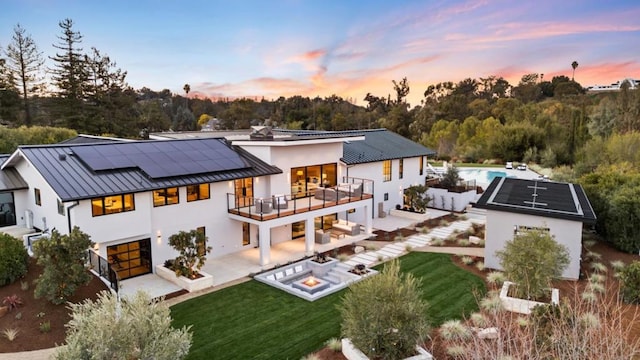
(24, 64)
(70, 75)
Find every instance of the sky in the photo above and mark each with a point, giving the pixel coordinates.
(348, 48)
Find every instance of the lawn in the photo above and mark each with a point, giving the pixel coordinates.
(255, 321)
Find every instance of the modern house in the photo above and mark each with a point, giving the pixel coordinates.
(517, 205)
(242, 189)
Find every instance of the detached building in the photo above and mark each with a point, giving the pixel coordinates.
(517, 205)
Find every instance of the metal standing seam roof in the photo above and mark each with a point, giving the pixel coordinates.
(72, 179)
(541, 198)
(379, 145)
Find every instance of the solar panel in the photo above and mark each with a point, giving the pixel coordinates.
(159, 159)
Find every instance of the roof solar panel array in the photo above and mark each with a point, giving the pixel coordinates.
(162, 159)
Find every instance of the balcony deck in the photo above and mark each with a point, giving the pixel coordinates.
(294, 206)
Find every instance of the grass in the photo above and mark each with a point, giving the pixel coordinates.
(255, 321)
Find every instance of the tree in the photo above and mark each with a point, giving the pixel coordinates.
(13, 259)
(193, 250)
(532, 260)
(70, 76)
(630, 283)
(574, 65)
(417, 197)
(64, 259)
(402, 90)
(187, 89)
(138, 328)
(384, 315)
(24, 66)
(450, 178)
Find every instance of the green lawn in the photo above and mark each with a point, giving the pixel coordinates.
(255, 321)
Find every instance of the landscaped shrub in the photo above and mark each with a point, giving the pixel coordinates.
(193, 252)
(139, 328)
(532, 260)
(64, 259)
(630, 283)
(384, 315)
(13, 259)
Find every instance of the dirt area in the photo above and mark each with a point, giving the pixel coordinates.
(27, 318)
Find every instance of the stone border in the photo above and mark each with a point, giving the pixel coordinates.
(352, 353)
(190, 285)
(522, 306)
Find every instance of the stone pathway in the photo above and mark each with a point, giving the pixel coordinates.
(419, 242)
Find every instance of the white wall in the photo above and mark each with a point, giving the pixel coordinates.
(25, 200)
(395, 187)
(460, 200)
(500, 229)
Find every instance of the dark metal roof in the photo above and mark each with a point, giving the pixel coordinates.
(542, 198)
(73, 180)
(379, 145)
(91, 139)
(10, 179)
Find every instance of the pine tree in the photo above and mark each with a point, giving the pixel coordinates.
(70, 75)
(24, 67)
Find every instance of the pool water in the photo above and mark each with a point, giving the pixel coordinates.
(481, 176)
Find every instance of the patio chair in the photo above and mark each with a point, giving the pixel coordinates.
(264, 206)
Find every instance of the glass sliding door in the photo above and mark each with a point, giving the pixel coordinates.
(304, 180)
(130, 259)
(244, 192)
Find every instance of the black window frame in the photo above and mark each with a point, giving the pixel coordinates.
(165, 196)
(38, 196)
(198, 193)
(103, 201)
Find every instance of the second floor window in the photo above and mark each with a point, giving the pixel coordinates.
(36, 194)
(386, 170)
(197, 192)
(168, 196)
(112, 204)
(401, 169)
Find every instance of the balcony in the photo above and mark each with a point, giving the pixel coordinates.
(282, 205)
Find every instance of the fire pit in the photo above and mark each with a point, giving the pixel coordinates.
(311, 284)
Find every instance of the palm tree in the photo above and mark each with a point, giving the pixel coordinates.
(186, 89)
(574, 65)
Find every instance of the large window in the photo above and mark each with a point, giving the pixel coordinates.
(386, 170)
(130, 259)
(197, 192)
(7, 209)
(36, 195)
(401, 169)
(246, 233)
(112, 204)
(168, 196)
(244, 192)
(304, 180)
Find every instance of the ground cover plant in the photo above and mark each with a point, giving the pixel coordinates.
(255, 321)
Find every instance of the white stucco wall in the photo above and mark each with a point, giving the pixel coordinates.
(500, 229)
(395, 187)
(46, 215)
(442, 199)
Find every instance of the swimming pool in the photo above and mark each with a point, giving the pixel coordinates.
(481, 176)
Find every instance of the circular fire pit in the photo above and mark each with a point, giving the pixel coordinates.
(310, 284)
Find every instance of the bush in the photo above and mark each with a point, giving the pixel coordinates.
(630, 283)
(138, 328)
(13, 259)
(64, 259)
(384, 315)
(532, 260)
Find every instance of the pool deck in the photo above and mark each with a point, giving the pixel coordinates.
(520, 174)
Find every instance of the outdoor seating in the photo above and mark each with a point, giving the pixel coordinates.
(348, 227)
(352, 190)
(326, 194)
(322, 237)
(280, 202)
(264, 206)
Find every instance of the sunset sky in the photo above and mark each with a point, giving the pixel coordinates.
(275, 48)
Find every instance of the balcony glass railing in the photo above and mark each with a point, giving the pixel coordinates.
(279, 205)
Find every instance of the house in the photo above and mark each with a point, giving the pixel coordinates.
(243, 189)
(516, 205)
